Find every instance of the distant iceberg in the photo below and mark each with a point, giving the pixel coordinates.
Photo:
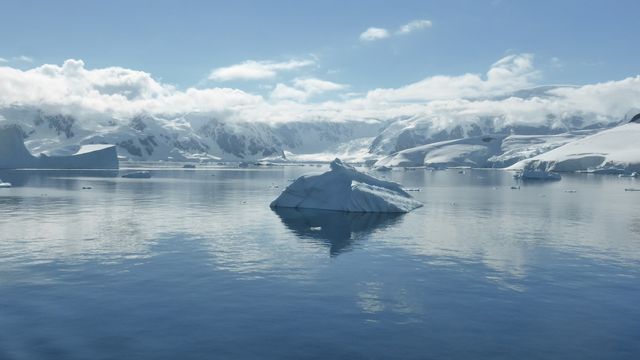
(137, 175)
(14, 155)
(343, 188)
(536, 175)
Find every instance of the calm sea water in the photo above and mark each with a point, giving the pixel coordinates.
(192, 264)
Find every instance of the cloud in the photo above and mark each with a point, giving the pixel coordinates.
(436, 103)
(256, 70)
(3, 60)
(304, 88)
(23, 58)
(113, 91)
(373, 34)
(508, 74)
(414, 26)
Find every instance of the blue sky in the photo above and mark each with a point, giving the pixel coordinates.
(182, 42)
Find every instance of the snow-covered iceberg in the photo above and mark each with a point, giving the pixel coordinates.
(617, 148)
(343, 188)
(14, 155)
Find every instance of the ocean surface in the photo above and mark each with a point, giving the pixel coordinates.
(193, 264)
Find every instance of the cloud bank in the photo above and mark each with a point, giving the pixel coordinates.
(441, 101)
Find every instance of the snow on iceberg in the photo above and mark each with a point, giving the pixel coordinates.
(617, 147)
(14, 155)
(343, 188)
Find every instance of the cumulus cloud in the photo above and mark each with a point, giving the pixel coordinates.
(257, 70)
(114, 90)
(414, 26)
(508, 74)
(374, 33)
(436, 102)
(304, 88)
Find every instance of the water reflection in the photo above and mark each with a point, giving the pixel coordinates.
(36, 177)
(338, 230)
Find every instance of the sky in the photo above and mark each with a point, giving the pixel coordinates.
(182, 42)
(290, 59)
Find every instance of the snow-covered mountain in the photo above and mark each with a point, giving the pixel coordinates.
(186, 137)
(615, 148)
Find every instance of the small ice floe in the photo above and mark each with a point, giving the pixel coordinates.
(632, 175)
(4, 184)
(137, 175)
(344, 188)
(631, 189)
(536, 175)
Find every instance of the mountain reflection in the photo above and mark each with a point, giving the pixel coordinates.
(335, 229)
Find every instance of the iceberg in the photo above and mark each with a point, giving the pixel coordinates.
(14, 155)
(4, 184)
(344, 188)
(528, 174)
(137, 175)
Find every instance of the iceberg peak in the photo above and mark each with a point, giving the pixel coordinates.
(344, 188)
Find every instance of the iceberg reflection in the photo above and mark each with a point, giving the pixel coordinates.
(335, 229)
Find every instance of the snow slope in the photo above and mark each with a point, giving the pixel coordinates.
(616, 147)
(491, 151)
(343, 188)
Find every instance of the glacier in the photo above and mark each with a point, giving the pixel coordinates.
(14, 155)
(344, 188)
(617, 148)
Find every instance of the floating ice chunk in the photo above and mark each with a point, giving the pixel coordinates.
(137, 175)
(536, 175)
(4, 184)
(343, 188)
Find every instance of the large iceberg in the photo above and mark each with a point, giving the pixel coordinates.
(343, 188)
(14, 155)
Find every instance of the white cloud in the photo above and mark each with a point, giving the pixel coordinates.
(414, 26)
(438, 101)
(304, 88)
(285, 92)
(115, 91)
(256, 70)
(3, 60)
(510, 73)
(24, 58)
(373, 34)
